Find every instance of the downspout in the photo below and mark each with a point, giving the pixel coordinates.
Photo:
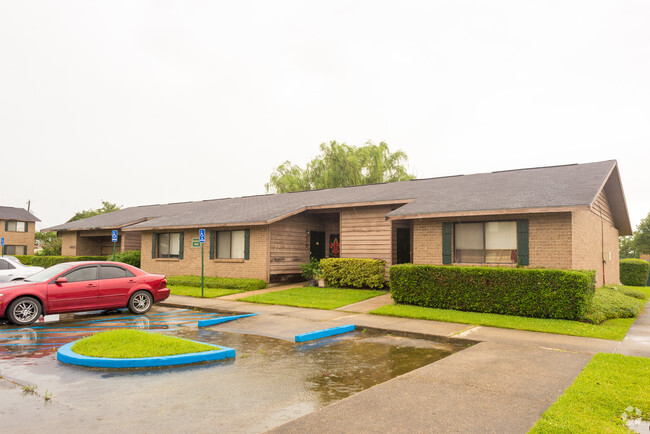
(602, 240)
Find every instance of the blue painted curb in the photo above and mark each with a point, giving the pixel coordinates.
(66, 355)
(209, 322)
(305, 337)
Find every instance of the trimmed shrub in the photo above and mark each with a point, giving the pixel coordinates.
(353, 272)
(634, 272)
(48, 261)
(536, 293)
(614, 302)
(131, 257)
(217, 282)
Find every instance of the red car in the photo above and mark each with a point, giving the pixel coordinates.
(81, 286)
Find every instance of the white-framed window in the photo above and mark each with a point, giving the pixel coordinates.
(485, 242)
(16, 226)
(231, 244)
(169, 245)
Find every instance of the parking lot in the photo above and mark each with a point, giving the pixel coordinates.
(270, 382)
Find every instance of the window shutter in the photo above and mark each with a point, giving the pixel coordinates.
(153, 245)
(26, 226)
(180, 250)
(213, 236)
(522, 242)
(446, 243)
(247, 244)
(6, 225)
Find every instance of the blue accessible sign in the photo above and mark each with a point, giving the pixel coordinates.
(114, 237)
(2, 241)
(201, 235)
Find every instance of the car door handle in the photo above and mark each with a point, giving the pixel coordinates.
(90, 285)
(131, 281)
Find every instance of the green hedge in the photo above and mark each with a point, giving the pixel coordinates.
(354, 273)
(48, 261)
(131, 257)
(511, 291)
(217, 282)
(634, 272)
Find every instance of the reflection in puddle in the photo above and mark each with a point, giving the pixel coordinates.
(270, 382)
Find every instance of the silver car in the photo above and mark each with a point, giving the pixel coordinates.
(12, 269)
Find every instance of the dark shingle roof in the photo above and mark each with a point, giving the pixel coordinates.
(545, 187)
(20, 214)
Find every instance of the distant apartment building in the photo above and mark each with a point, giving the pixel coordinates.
(17, 227)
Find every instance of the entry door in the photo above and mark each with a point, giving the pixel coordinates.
(317, 244)
(403, 245)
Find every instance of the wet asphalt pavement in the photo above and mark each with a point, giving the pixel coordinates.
(270, 382)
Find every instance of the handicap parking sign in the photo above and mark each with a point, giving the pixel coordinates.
(201, 235)
(114, 237)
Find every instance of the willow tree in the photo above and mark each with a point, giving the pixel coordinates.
(340, 165)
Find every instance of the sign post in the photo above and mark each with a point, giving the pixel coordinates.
(2, 246)
(202, 241)
(114, 239)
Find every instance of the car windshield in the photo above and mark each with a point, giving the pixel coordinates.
(48, 273)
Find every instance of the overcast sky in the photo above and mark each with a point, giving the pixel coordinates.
(143, 102)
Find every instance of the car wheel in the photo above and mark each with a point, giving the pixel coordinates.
(140, 302)
(24, 311)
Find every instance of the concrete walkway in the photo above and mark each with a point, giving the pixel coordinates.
(637, 340)
(502, 384)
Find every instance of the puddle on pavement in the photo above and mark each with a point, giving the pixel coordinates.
(270, 382)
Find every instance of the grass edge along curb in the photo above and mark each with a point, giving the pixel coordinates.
(217, 282)
(613, 329)
(607, 386)
(314, 297)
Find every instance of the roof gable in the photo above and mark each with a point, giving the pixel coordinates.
(19, 214)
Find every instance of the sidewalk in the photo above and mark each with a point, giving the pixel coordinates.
(502, 384)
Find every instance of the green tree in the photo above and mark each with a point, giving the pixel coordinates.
(49, 242)
(642, 236)
(340, 165)
(106, 207)
(626, 248)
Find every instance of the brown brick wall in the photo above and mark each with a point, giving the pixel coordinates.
(556, 240)
(427, 241)
(588, 249)
(256, 267)
(68, 243)
(19, 238)
(549, 239)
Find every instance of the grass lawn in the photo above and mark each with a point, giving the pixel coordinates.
(318, 298)
(193, 291)
(125, 344)
(614, 329)
(604, 302)
(595, 402)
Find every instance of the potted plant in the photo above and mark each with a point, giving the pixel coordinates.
(311, 271)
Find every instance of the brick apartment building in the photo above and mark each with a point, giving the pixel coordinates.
(567, 217)
(17, 227)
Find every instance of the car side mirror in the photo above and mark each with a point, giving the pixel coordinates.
(61, 280)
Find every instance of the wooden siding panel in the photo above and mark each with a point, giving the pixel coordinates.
(365, 233)
(601, 204)
(289, 240)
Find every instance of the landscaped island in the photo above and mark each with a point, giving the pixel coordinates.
(127, 344)
(137, 349)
